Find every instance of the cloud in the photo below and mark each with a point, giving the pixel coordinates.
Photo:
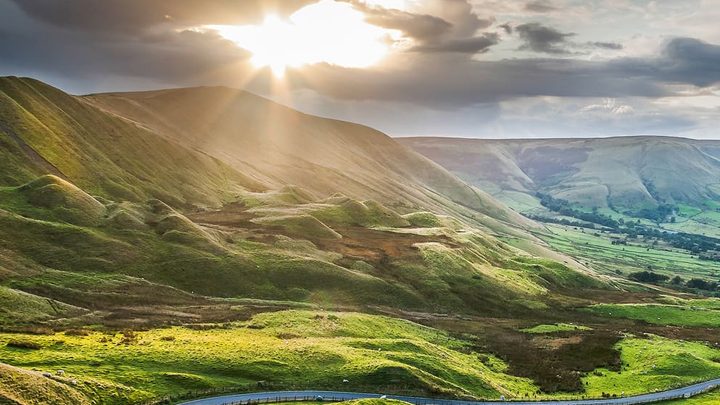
(450, 80)
(433, 33)
(682, 60)
(544, 39)
(129, 16)
(540, 6)
(606, 45)
(422, 27)
(609, 106)
(479, 44)
(442, 73)
(167, 57)
(460, 13)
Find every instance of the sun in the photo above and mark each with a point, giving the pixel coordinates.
(325, 32)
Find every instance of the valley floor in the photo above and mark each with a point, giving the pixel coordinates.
(302, 349)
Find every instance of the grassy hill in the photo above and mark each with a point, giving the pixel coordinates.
(213, 193)
(625, 173)
(655, 199)
(174, 243)
(277, 146)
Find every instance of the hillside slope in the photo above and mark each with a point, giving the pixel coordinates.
(276, 146)
(625, 173)
(119, 207)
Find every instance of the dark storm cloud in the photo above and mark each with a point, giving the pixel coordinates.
(441, 73)
(168, 56)
(683, 60)
(541, 38)
(451, 80)
(132, 15)
(537, 37)
(479, 44)
(429, 81)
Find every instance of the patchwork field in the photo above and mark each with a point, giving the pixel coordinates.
(596, 249)
(692, 313)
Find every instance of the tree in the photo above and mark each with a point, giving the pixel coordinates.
(648, 277)
(677, 280)
(701, 284)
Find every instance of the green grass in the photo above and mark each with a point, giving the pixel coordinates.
(363, 213)
(607, 258)
(300, 225)
(519, 201)
(20, 307)
(374, 401)
(19, 386)
(655, 364)
(103, 154)
(692, 313)
(555, 328)
(288, 349)
(423, 219)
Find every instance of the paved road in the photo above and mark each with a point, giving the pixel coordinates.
(278, 396)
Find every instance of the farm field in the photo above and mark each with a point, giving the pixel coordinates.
(690, 313)
(596, 249)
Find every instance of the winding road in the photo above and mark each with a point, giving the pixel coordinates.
(287, 396)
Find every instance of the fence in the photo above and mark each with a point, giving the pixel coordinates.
(258, 398)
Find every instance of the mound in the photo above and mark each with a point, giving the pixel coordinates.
(125, 219)
(21, 307)
(287, 195)
(347, 211)
(423, 219)
(177, 228)
(22, 387)
(68, 202)
(301, 225)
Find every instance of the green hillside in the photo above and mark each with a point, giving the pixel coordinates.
(177, 243)
(106, 193)
(652, 201)
(624, 173)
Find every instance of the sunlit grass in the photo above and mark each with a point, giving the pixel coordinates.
(655, 364)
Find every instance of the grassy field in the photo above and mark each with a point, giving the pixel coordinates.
(312, 350)
(291, 349)
(655, 364)
(555, 328)
(596, 249)
(693, 313)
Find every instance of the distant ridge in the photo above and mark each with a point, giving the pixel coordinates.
(623, 172)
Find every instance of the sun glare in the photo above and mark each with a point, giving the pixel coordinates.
(328, 31)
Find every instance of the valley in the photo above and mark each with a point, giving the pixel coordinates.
(620, 205)
(166, 245)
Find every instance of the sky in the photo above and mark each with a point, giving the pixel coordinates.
(462, 68)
